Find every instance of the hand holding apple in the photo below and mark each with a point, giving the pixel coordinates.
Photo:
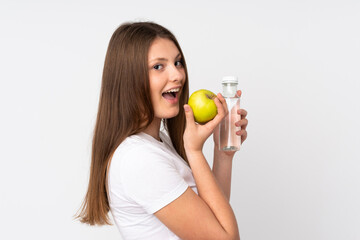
(203, 105)
(196, 134)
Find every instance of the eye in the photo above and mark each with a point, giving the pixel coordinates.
(158, 66)
(179, 63)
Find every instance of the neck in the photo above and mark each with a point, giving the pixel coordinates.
(154, 128)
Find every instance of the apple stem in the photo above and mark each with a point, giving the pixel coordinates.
(209, 96)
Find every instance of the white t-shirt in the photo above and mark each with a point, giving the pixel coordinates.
(144, 176)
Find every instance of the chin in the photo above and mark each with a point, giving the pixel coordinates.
(169, 114)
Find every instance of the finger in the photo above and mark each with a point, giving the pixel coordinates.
(219, 116)
(242, 123)
(242, 134)
(221, 108)
(238, 93)
(223, 102)
(242, 112)
(243, 137)
(190, 121)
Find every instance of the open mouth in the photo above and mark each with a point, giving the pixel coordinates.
(171, 94)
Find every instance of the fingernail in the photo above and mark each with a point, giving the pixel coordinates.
(186, 108)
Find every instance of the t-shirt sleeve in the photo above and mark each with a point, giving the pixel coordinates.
(151, 179)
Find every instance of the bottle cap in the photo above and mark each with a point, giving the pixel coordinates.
(230, 79)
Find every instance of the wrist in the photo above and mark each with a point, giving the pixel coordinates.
(190, 153)
(223, 155)
(193, 149)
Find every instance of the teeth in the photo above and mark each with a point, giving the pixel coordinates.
(174, 90)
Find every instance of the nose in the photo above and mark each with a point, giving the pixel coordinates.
(176, 74)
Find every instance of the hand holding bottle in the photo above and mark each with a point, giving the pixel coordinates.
(242, 123)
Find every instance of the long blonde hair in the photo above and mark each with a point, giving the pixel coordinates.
(125, 108)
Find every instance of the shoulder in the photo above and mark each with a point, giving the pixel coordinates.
(142, 144)
(133, 145)
(139, 152)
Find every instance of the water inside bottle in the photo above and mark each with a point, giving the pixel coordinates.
(229, 141)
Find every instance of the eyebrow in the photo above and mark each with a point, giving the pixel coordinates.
(164, 59)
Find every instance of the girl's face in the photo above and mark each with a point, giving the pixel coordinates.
(167, 77)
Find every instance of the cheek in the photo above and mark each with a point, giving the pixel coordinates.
(155, 90)
(183, 74)
(155, 99)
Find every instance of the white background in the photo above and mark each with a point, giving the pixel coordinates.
(296, 177)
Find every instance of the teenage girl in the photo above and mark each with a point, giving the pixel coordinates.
(147, 164)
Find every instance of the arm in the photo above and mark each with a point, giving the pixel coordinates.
(209, 214)
(222, 168)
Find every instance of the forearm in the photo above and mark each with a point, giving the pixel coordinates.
(209, 190)
(222, 168)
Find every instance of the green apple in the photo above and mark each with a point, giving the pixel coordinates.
(203, 105)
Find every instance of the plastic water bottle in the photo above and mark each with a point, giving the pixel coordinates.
(229, 141)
